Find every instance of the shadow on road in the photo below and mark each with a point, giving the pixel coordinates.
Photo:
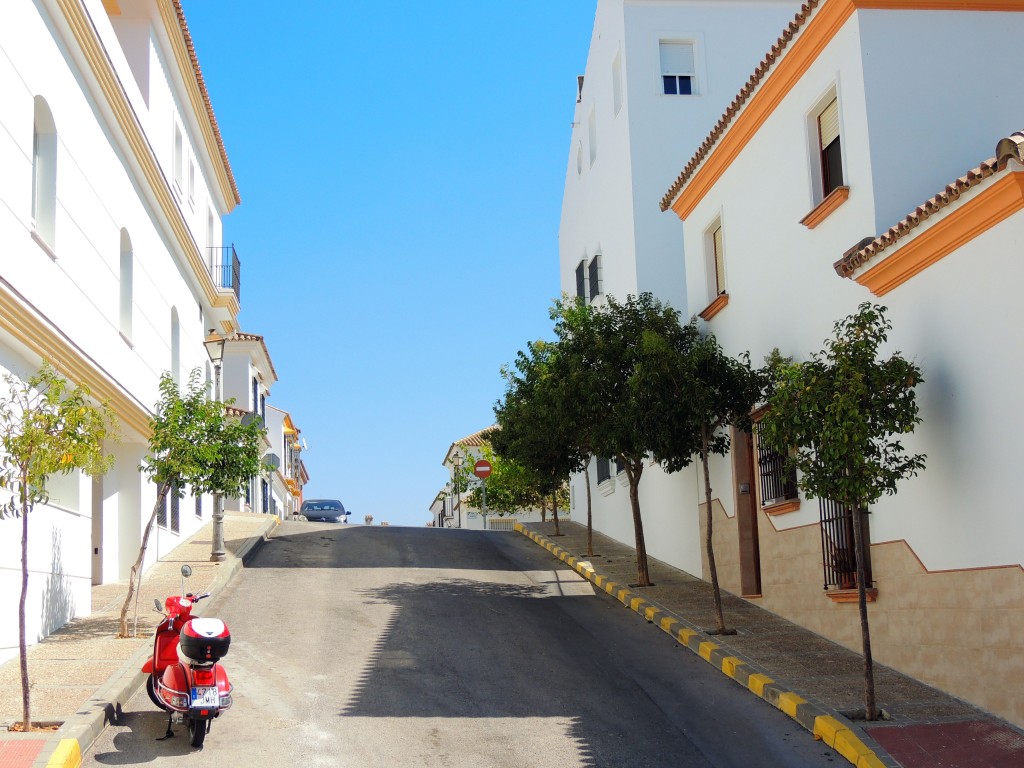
(139, 743)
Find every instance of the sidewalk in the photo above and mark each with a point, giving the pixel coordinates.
(810, 678)
(82, 674)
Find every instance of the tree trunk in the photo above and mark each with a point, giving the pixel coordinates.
(643, 575)
(870, 711)
(590, 515)
(708, 539)
(26, 710)
(137, 568)
(554, 511)
(543, 509)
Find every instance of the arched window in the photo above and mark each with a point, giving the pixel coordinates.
(44, 173)
(175, 347)
(127, 269)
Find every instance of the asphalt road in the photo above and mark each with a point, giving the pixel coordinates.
(362, 647)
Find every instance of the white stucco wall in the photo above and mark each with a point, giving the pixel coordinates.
(71, 291)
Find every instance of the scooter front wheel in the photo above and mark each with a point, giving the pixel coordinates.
(196, 731)
(151, 690)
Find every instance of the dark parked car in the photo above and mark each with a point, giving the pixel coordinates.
(323, 509)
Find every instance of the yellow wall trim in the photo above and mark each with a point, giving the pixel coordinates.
(997, 202)
(92, 48)
(790, 66)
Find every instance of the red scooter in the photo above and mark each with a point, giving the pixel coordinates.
(184, 673)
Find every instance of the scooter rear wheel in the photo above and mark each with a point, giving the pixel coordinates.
(151, 690)
(196, 731)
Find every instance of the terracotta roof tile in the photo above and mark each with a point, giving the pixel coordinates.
(1011, 147)
(206, 97)
(791, 31)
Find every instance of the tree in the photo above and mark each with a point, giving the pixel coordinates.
(46, 427)
(511, 487)
(693, 393)
(837, 418)
(194, 443)
(607, 346)
(536, 421)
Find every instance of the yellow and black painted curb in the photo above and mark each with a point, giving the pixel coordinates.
(830, 727)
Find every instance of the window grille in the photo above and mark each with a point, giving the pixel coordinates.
(603, 470)
(777, 483)
(839, 553)
(161, 513)
(199, 507)
(175, 509)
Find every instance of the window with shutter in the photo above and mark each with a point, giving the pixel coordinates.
(829, 143)
(678, 75)
(719, 257)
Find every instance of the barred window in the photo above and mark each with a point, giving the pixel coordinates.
(175, 509)
(778, 484)
(199, 506)
(839, 553)
(161, 513)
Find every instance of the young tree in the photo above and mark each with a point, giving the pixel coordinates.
(607, 346)
(536, 421)
(511, 487)
(842, 412)
(694, 392)
(46, 427)
(195, 444)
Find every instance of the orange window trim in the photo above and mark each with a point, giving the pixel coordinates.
(824, 209)
(715, 307)
(792, 66)
(999, 201)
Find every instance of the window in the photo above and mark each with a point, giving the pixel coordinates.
(161, 513)
(678, 75)
(603, 470)
(619, 466)
(255, 395)
(175, 346)
(127, 269)
(179, 156)
(718, 260)
(592, 134)
(44, 173)
(199, 507)
(594, 277)
(266, 496)
(837, 546)
(581, 280)
(175, 508)
(829, 145)
(777, 483)
(617, 83)
(191, 180)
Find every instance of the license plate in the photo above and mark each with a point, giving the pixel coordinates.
(206, 698)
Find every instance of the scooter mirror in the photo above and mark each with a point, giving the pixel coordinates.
(186, 571)
(156, 606)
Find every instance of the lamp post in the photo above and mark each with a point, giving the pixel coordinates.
(214, 344)
(457, 463)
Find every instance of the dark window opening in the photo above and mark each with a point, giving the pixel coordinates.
(603, 470)
(581, 281)
(832, 167)
(161, 513)
(595, 284)
(839, 553)
(175, 509)
(677, 85)
(199, 507)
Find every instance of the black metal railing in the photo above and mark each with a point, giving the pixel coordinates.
(777, 484)
(226, 269)
(839, 553)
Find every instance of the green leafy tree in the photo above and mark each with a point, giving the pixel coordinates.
(46, 427)
(608, 346)
(536, 420)
(693, 392)
(838, 417)
(194, 443)
(511, 487)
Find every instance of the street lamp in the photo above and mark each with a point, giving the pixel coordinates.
(214, 344)
(457, 463)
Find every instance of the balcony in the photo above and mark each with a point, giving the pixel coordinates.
(225, 269)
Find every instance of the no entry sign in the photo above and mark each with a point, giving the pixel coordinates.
(482, 468)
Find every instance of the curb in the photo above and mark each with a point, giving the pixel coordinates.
(825, 725)
(80, 731)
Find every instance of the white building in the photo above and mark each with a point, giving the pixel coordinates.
(658, 76)
(290, 476)
(836, 137)
(114, 183)
(453, 510)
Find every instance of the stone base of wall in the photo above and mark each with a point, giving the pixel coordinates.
(961, 631)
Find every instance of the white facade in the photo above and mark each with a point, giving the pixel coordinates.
(947, 549)
(289, 477)
(114, 182)
(629, 141)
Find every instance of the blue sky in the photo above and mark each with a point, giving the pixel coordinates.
(401, 168)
